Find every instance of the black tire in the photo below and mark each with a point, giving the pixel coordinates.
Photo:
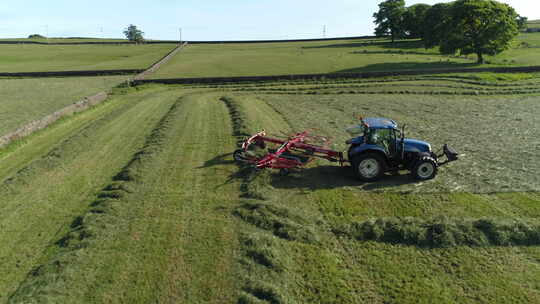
(425, 168)
(284, 172)
(367, 161)
(238, 156)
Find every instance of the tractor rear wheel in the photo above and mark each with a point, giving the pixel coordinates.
(368, 167)
(425, 168)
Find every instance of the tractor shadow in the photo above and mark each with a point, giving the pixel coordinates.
(332, 177)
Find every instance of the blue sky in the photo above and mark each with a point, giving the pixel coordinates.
(202, 19)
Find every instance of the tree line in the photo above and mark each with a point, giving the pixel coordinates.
(481, 27)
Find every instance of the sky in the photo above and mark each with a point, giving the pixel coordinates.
(201, 19)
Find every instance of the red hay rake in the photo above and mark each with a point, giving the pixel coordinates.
(294, 152)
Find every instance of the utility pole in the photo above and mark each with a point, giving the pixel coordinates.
(180, 31)
(324, 31)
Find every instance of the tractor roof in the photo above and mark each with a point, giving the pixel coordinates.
(381, 123)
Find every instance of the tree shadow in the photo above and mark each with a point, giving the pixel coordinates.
(387, 44)
(393, 52)
(407, 65)
(332, 177)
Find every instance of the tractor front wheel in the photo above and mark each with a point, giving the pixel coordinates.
(368, 167)
(425, 168)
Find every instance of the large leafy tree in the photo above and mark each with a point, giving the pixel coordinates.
(389, 19)
(481, 27)
(134, 34)
(436, 24)
(413, 20)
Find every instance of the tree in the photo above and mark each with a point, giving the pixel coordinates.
(481, 27)
(389, 19)
(36, 36)
(436, 24)
(522, 22)
(413, 20)
(134, 34)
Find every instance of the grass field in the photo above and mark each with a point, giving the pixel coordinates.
(150, 207)
(64, 40)
(47, 58)
(361, 55)
(25, 100)
(77, 40)
(533, 24)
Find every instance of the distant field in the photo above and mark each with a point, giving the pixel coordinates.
(361, 55)
(24, 100)
(224, 60)
(64, 40)
(533, 24)
(44, 58)
(73, 40)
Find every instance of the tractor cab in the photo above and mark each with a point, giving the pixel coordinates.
(379, 146)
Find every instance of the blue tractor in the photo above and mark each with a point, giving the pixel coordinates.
(379, 146)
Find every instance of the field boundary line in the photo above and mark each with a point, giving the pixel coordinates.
(44, 122)
(239, 79)
(72, 73)
(154, 67)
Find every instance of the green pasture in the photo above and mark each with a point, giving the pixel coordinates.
(48, 58)
(25, 100)
(533, 24)
(64, 40)
(341, 56)
(74, 40)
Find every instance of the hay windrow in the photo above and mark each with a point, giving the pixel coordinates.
(101, 214)
(238, 117)
(254, 182)
(443, 232)
(279, 221)
(264, 267)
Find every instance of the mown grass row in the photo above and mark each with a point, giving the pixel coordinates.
(400, 92)
(95, 222)
(444, 232)
(408, 85)
(490, 80)
(263, 263)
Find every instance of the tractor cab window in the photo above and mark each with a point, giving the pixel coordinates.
(397, 133)
(385, 138)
